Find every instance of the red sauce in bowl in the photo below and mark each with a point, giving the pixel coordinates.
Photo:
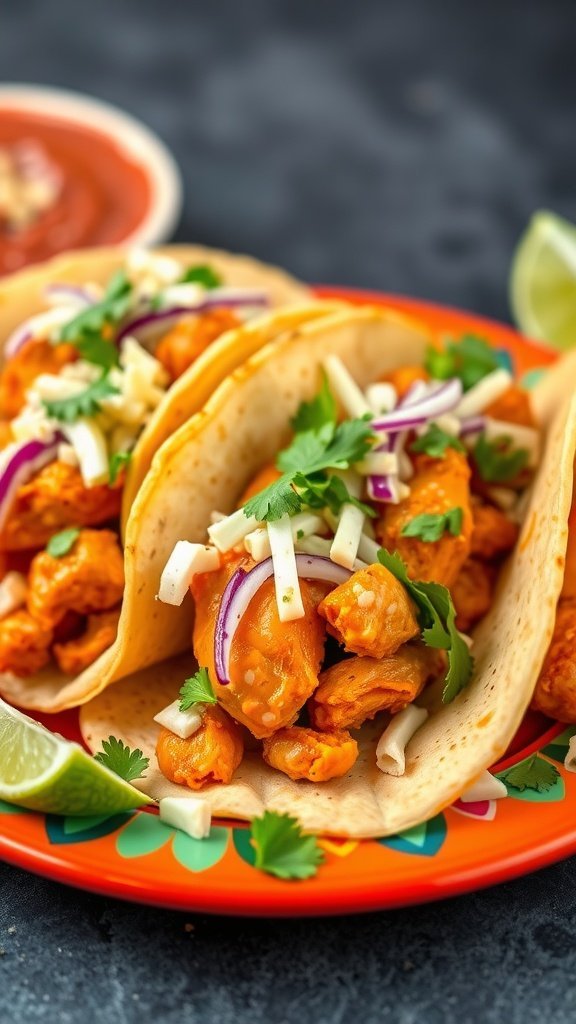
(104, 193)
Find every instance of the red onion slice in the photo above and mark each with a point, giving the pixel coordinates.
(384, 488)
(416, 414)
(21, 465)
(472, 425)
(242, 587)
(62, 292)
(149, 323)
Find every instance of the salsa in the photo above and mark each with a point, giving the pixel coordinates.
(102, 194)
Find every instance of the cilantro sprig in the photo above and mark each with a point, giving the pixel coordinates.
(498, 461)
(128, 764)
(197, 690)
(431, 526)
(115, 464)
(435, 442)
(318, 413)
(61, 543)
(470, 358)
(282, 849)
(437, 620)
(533, 773)
(87, 330)
(201, 274)
(86, 403)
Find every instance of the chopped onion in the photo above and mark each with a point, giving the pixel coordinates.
(522, 437)
(71, 294)
(377, 463)
(147, 325)
(381, 397)
(42, 326)
(242, 587)
(303, 525)
(189, 814)
(486, 391)
(345, 387)
(368, 550)
(182, 723)
(570, 759)
(89, 443)
(486, 787)
(286, 583)
(20, 463)
(350, 524)
(185, 561)
(228, 532)
(391, 749)
(472, 425)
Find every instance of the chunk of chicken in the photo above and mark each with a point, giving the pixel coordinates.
(267, 475)
(90, 578)
(404, 377)
(75, 655)
(358, 688)
(305, 754)
(6, 436)
(555, 693)
(493, 534)
(187, 340)
(512, 407)
(24, 644)
(211, 754)
(52, 500)
(274, 665)
(437, 486)
(472, 592)
(371, 613)
(20, 372)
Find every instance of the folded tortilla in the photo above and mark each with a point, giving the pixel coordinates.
(22, 296)
(206, 465)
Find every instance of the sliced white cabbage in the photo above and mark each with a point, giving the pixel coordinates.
(185, 561)
(286, 581)
(229, 532)
(181, 723)
(486, 391)
(381, 397)
(390, 752)
(89, 444)
(345, 387)
(486, 787)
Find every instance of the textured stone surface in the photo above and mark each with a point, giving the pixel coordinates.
(399, 145)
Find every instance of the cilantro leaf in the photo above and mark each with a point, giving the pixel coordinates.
(470, 358)
(95, 349)
(317, 413)
(436, 618)
(321, 491)
(274, 501)
(116, 461)
(128, 764)
(282, 849)
(532, 773)
(197, 690)
(63, 542)
(435, 442)
(201, 274)
(87, 403)
(430, 527)
(497, 461)
(328, 448)
(96, 318)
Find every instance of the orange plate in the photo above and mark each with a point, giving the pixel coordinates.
(136, 857)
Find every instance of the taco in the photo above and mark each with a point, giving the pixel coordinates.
(105, 354)
(373, 532)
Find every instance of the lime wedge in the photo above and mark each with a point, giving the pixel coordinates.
(43, 772)
(543, 281)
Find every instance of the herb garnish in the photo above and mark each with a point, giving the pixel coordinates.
(63, 542)
(436, 618)
(435, 442)
(431, 526)
(86, 331)
(128, 764)
(201, 274)
(532, 773)
(470, 358)
(115, 464)
(197, 690)
(282, 849)
(316, 414)
(86, 403)
(497, 461)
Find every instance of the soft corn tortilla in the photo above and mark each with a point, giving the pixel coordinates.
(206, 465)
(21, 296)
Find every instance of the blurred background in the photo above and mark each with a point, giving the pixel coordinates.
(395, 145)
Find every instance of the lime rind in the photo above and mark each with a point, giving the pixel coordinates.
(543, 281)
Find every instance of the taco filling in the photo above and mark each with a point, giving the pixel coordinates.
(80, 382)
(344, 585)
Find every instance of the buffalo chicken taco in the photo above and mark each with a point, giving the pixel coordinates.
(105, 354)
(372, 530)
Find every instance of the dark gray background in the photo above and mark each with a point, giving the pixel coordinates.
(396, 145)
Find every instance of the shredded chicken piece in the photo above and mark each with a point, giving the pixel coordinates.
(54, 499)
(404, 377)
(24, 644)
(75, 655)
(358, 688)
(493, 534)
(555, 693)
(274, 665)
(192, 334)
(472, 592)
(512, 407)
(438, 485)
(20, 372)
(305, 754)
(89, 578)
(376, 625)
(211, 754)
